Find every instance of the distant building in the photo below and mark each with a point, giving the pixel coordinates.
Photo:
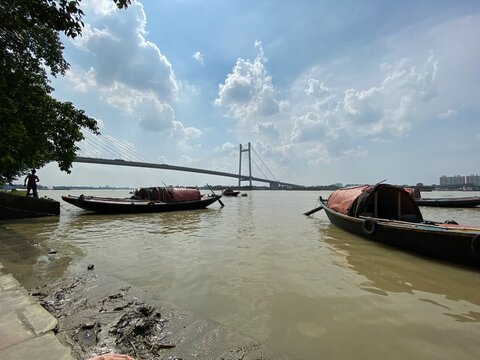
(459, 180)
(472, 180)
(452, 180)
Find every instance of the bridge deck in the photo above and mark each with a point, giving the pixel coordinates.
(120, 162)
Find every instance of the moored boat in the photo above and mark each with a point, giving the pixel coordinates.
(461, 202)
(389, 214)
(452, 202)
(230, 192)
(146, 200)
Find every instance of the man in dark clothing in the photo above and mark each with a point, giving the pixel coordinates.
(32, 183)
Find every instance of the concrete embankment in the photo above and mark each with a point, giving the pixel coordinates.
(19, 207)
(26, 328)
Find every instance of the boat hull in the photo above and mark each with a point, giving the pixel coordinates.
(232, 194)
(449, 202)
(453, 243)
(128, 206)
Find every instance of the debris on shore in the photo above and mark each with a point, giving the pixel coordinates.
(97, 315)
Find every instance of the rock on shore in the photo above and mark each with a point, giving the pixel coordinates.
(98, 314)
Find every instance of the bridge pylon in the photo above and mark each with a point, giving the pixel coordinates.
(240, 177)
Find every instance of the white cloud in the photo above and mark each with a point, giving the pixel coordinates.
(98, 7)
(123, 68)
(248, 91)
(120, 53)
(267, 130)
(323, 124)
(128, 72)
(318, 154)
(184, 135)
(153, 115)
(228, 146)
(317, 89)
(454, 41)
(80, 80)
(448, 114)
(198, 56)
(327, 125)
(309, 127)
(388, 108)
(227, 154)
(187, 132)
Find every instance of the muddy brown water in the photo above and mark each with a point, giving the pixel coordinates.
(259, 266)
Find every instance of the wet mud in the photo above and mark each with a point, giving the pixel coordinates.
(98, 314)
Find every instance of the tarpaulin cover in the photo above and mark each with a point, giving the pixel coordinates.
(184, 194)
(341, 200)
(414, 192)
(392, 202)
(168, 194)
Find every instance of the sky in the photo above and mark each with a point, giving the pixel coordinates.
(325, 91)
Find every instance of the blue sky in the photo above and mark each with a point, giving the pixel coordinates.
(325, 91)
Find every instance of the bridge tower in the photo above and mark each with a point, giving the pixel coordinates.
(240, 177)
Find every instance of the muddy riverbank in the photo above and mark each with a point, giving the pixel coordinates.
(98, 314)
(15, 205)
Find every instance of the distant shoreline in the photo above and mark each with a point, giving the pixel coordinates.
(221, 187)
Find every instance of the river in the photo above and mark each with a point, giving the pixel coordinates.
(259, 266)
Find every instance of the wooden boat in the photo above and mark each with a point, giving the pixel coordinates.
(146, 200)
(388, 214)
(230, 192)
(452, 202)
(459, 202)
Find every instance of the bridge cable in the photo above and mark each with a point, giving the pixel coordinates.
(264, 164)
(134, 152)
(259, 169)
(125, 149)
(112, 144)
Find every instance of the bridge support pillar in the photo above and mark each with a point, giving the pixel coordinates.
(240, 177)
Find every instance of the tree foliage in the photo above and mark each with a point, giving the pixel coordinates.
(35, 128)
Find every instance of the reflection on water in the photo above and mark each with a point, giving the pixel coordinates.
(99, 225)
(29, 248)
(393, 270)
(259, 266)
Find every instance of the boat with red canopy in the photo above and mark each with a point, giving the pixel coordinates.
(146, 200)
(389, 214)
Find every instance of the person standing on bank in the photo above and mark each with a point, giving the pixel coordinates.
(32, 183)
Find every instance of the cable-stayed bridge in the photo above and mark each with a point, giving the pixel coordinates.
(110, 150)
